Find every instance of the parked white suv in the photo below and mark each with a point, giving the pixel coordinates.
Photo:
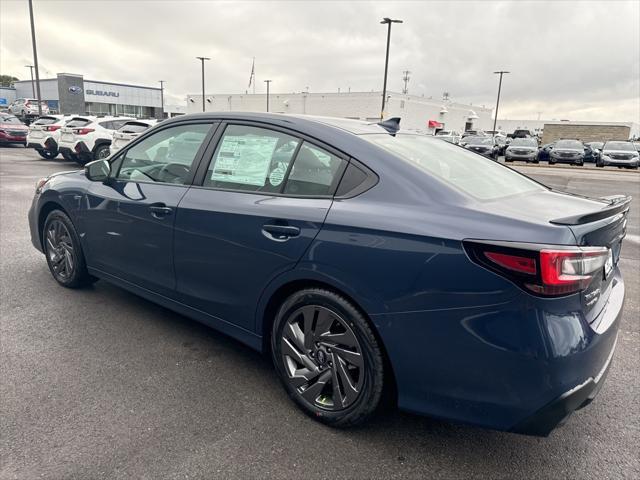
(27, 108)
(44, 135)
(86, 138)
(128, 132)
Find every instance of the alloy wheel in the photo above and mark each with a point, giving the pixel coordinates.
(60, 250)
(322, 358)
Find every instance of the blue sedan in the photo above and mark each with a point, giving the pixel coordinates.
(361, 257)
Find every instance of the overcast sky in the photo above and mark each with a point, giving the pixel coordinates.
(573, 60)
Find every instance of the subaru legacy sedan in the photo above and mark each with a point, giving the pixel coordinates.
(360, 257)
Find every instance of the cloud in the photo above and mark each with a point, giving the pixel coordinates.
(568, 59)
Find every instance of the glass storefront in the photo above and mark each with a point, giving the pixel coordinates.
(94, 108)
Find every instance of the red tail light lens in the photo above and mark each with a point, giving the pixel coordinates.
(52, 128)
(83, 131)
(547, 271)
(513, 262)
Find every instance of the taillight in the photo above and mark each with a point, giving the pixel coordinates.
(541, 269)
(27, 104)
(52, 128)
(83, 131)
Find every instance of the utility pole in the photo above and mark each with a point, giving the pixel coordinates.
(202, 59)
(405, 79)
(33, 85)
(495, 119)
(161, 98)
(267, 82)
(388, 22)
(35, 58)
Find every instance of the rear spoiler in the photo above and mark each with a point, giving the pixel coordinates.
(618, 204)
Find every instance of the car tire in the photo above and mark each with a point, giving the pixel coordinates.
(551, 162)
(48, 154)
(322, 348)
(63, 251)
(101, 152)
(599, 164)
(69, 157)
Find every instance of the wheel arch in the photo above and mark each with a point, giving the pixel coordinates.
(45, 210)
(268, 313)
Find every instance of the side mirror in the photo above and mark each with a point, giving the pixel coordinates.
(97, 171)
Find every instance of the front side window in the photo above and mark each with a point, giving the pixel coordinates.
(252, 159)
(165, 157)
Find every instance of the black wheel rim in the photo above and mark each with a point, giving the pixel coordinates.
(322, 358)
(60, 250)
(102, 153)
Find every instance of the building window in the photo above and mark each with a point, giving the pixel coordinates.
(138, 111)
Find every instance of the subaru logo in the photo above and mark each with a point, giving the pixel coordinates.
(75, 90)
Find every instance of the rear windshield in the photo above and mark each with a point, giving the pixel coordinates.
(77, 122)
(524, 142)
(133, 127)
(479, 140)
(619, 146)
(475, 175)
(10, 120)
(45, 121)
(570, 144)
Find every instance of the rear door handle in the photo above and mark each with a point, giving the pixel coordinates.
(280, 233)
(160, 210)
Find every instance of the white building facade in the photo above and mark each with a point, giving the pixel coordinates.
(417, 113)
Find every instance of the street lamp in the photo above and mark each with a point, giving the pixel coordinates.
(161, 98)
(495, 119)
(202, 59)
(35, 57)
(267, 82)
(387, 21)
(33, 85)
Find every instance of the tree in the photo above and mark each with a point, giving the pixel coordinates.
(7, 80)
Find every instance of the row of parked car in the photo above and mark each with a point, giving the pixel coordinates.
(78, 138)
(615, 153)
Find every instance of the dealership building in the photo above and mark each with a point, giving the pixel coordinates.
(73, 94)
(417, 113)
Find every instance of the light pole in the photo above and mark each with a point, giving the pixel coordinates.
(495, 119)
(161, 98)
(267, 82)
(387, 21)
(33, 85)
(202, 59)
(35, 58)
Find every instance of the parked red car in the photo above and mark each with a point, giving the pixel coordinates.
(12, 130)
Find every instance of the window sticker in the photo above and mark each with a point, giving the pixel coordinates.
(277, 176)
(244, 159)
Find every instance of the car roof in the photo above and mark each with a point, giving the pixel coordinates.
(356, 127)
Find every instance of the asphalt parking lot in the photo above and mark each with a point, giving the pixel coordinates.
(98, 383)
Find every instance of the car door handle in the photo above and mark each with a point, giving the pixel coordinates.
(280, 233)
(160, 210)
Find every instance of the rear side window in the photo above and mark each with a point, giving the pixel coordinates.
(107, 125)
(252, 159)
(314, 173)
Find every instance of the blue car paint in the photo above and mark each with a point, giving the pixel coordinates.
(464, 343)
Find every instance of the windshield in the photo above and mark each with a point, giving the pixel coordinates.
(524, 142)
(627, 146)
(570, 144)
(479, 141)
(475, 175)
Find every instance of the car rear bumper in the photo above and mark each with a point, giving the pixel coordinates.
(7, 138)
(521, 366)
